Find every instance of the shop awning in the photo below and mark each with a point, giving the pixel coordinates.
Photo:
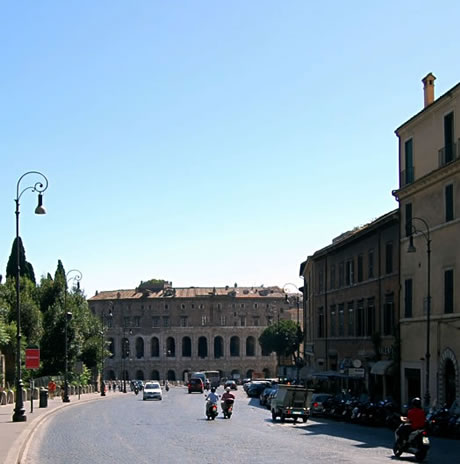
(381, 367)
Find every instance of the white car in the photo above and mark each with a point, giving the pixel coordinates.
(152, 391)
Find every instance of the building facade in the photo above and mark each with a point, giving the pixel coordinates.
(162, 332)
(429, 204)
(351, 296)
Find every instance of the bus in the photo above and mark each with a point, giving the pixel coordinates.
(213, 377)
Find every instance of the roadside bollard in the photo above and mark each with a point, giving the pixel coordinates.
(43, 398)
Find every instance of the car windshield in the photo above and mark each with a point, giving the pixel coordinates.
(152, 386)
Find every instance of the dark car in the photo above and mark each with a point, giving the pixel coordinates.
(195, 385)
(231, 384)
(256, 388)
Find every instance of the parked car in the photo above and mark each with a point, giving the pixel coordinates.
(317, 400)
(195, 385)
(256, 388)
(267, 394)
(152, 391)
(231, 384)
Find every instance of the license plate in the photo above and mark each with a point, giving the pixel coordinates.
(425, 440)
(296, 413)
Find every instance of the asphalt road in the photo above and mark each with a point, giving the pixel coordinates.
(127, 430)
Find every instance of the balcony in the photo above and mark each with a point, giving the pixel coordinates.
(448, 153)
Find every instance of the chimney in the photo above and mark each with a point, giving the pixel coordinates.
(428, 89)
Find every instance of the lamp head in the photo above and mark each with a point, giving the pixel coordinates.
(40, 209)
(411, 248)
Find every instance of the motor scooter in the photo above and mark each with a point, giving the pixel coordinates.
(417, 443)
(211, 410)
(227, 407)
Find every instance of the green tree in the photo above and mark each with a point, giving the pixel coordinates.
(283, 338)
(25, 268)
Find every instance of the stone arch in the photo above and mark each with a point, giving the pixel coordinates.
(234, 346)
(266, 372)
(203, 347)
(250, 346)
(139, 347)
(218, 347)
(171, 375)
(170, 348)
(154, 347)
(186, 347)
(111, 347)
(249, 373)
(448, 378)
(155, 375)
(139, 375)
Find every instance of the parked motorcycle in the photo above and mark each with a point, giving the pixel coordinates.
(417, 443)
(227, 408)
(211, 410)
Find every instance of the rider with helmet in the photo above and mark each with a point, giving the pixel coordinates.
(211, 398)
(227, 395)
(415, 419)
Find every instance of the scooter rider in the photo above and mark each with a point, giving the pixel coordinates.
(415, 419)
(227, 395)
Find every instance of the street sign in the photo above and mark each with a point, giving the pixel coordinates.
(356, 372)
(32, 358)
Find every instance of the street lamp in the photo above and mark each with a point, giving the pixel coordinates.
(124, 354)
(411, 249)
(104, 318)
(296, 299)
(19, 411)
(74, 275)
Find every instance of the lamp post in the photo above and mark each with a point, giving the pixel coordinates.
(411, 249)
(124, 354)
(289, 300)
(19, 411)
(74, 275)
(103, 319)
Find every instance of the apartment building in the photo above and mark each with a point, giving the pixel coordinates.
(429, 204)
(351, 297)
(159, 331)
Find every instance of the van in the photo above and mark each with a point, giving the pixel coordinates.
(199, 375)
(291, 402)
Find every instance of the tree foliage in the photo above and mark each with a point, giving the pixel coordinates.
(283, 338)
(25, 268)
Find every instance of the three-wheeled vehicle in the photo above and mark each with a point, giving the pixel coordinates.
(291, 402)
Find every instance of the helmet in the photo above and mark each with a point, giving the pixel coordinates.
(213, 389)
(417, 402)
(227, 389)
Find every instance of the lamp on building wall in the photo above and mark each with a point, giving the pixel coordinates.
(19, 410)
(74, 276)
(104, 318)
(425, 232)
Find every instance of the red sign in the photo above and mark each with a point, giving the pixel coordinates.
(32, 358)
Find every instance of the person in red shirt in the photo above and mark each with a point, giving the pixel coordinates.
(415, 419)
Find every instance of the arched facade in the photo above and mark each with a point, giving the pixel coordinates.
(139, 347)
(124, 347)
(448, 378)
(140, 375)
(155, 375)
(234, 346)
(111, 347)
(171, 375)
(186, 347)
(266, 372)
(170, 347)
(202, 347)
(154, 347)
(250, 346)
(218, 347)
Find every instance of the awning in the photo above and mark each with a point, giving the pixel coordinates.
(381, 367)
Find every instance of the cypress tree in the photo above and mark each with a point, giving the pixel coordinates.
(25, 269)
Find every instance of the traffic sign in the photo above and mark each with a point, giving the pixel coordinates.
(32, 358)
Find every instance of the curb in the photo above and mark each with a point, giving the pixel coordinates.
(19, 447)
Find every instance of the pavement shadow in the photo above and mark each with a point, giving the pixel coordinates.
(255, 402)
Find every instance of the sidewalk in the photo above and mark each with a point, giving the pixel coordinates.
(14, 435)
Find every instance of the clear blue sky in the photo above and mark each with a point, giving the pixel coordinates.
(207, 142)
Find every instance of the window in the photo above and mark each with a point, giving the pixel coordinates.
(389, 257)
(320, 281)
(341, 274)
(193, 306)
(350, 272)
(182, 306)
(449, 202)
(137, 321)
(204, 319)
(320, 323)
(360, 268)
(201, 306)
(332, 277)
(242, 321)
(370, 264)
(255, 305)
(269, 320)
(351, 320)
(256, 322)
(126, 322)
(408, 214)
(449, 291)
(408, 298)
(449, 145)
(360, 319)
(166, 307)
(388, 312)
(155, 321)
(166, 321)
(219, 306)
(370, 320)
(409, 162)
(242, 305)
(183, 321)
(333, 316)
(341, 320)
